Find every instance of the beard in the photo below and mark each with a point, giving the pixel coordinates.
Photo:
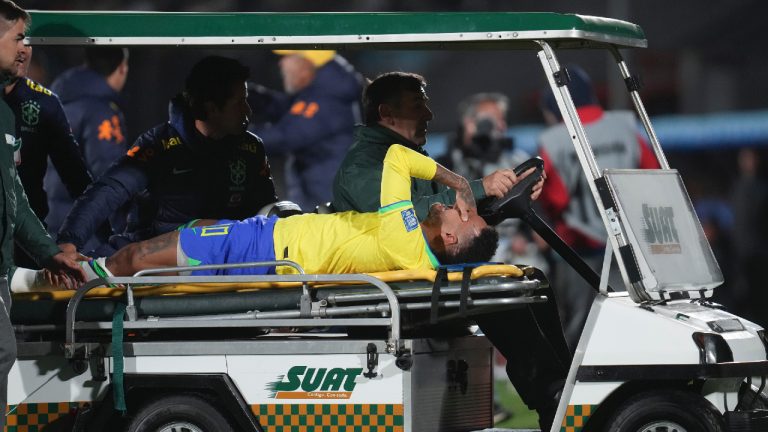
(433, 217)
(7, 76)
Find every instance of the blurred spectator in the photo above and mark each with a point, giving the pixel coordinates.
(750, 234)
(201, 164)
(567, 198)
(312, 123)
(91, 97)
(44, 131)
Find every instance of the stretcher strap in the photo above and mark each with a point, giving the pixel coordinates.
(440, 278)
(464, 297)
(118, 388)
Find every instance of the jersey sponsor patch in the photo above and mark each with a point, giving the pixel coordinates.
(409, 219)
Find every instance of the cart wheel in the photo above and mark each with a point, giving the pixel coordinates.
(666, 411)
(179, 414)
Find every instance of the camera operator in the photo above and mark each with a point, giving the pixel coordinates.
(480, 145)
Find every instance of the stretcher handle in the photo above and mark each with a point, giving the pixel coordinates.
(277, 263)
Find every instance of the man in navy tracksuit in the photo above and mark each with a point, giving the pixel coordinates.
(201, 164)
(91, 98)
(44, 132)
(313, 123)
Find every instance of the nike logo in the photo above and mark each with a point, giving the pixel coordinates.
(181, 171)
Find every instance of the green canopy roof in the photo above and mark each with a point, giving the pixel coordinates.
(503, 30)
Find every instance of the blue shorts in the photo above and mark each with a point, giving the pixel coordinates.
(230, 242)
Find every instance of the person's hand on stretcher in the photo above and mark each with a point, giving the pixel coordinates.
(62, 271)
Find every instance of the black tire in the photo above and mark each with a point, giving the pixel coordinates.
(666, 411)
(181, 413)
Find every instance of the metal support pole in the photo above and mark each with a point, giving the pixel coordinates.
(640, 109)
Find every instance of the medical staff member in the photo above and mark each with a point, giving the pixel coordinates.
(44, 132)
(18, 221)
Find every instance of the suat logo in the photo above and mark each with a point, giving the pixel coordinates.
(302, 382)
(660, 230)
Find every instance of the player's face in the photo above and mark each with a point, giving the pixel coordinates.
(451, 225)
(12, 51)
(411, 116)
(232, 117)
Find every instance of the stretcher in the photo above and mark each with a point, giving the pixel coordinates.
(379, 343)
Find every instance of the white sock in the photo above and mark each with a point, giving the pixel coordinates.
(23, 279)
(96, 268)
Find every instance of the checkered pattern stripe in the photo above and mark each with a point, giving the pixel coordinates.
(330, 418)
(576, 417)
(32, 417)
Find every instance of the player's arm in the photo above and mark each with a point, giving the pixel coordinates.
(401, 163)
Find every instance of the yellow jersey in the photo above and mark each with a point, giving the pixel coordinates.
(352, 242)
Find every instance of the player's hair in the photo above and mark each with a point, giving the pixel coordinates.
(105, 59)
(478, 249)
(211, 80)
(388, 88)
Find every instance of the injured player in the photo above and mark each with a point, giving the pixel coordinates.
(348, 242)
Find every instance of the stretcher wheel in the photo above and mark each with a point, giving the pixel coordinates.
(668, 411)
(179, 413)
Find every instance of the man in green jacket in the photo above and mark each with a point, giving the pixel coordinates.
(17, 221)
(402, 119)
(396, 112)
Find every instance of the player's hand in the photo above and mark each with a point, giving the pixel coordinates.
(499, 182)
(465, 201)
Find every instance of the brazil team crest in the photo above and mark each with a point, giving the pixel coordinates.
(237, 171)
(30, 113)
